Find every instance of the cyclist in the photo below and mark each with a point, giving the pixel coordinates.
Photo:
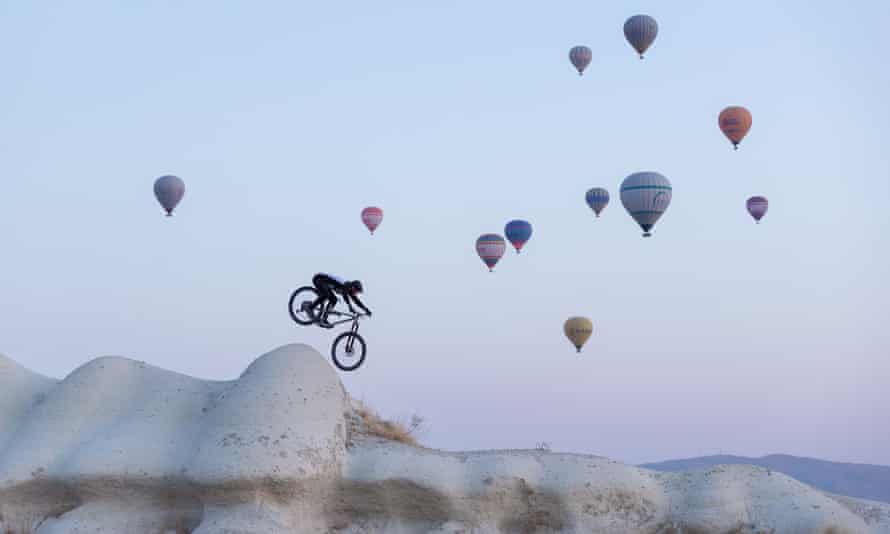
(328, 287)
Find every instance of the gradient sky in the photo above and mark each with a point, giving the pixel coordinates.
(285, 119)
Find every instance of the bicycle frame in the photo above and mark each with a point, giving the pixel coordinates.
(354, 317)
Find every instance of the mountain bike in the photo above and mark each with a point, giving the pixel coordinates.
(348, 349)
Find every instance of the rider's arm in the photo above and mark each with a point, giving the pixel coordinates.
(348, 299)
(360, 304)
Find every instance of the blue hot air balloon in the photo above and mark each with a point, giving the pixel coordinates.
(169, 191)
(518, 232)
(640, 31)
(597, 198)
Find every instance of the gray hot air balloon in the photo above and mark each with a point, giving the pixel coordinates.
(640, 31)
(580, 57)
(646, 195)
(169, 190)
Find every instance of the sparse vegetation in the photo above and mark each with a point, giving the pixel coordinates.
(394, 430)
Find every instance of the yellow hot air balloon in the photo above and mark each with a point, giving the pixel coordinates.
(578, 330)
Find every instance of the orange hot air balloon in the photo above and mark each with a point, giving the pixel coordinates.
(735, 121)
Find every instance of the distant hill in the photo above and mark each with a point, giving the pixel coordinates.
(863, 481)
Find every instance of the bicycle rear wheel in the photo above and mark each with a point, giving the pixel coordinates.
(299, 305)
(348, 351)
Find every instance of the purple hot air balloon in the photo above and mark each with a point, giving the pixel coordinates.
(757, 207)
(169, 191)
(580, 57)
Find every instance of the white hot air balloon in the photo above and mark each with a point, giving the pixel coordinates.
(646, 196)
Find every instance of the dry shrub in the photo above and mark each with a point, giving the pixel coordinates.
(396, 430)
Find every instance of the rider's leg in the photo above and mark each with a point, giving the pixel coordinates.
(321, 288)
(332, 301)
(326, 298)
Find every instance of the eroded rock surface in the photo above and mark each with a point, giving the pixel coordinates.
(119, 446)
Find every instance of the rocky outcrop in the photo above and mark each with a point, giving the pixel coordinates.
(120, 446)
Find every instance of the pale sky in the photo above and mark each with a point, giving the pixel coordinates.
(285, 119)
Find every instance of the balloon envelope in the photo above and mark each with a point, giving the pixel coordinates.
(169, 191)
(597, 198)
(578, 330)
(372, 217)
(757, 207)
(646, 196)
(580, 57)
(518, 232)
(734, 122)
(640, 31)
(490, 248)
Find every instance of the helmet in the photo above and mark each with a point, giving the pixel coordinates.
(354, 286)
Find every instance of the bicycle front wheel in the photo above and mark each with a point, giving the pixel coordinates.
(299, 305)
(348, 351)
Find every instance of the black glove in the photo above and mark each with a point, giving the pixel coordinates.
(369, 313)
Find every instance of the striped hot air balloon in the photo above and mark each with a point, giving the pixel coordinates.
(734, 122)
(372, 217)
(578, 330)
(490, 248)
(646, 196)
(580, 57)
(597, 198)
(169, 190)
(757, 207)
(640, 31)
(518, 232)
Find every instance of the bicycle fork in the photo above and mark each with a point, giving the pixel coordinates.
(351, 340)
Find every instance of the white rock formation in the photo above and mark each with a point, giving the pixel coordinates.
(119, 446)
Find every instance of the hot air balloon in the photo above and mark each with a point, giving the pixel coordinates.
(735, 121)
(169, 191)
(646, 195)
(580, 57)
(578, 330)
(597, 198)
(372, 217)
(518, 232)
(757, 207)
(640, 31)
(490, 248)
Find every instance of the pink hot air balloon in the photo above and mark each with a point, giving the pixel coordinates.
(490, 248)
(757, 207)
(372, 217)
